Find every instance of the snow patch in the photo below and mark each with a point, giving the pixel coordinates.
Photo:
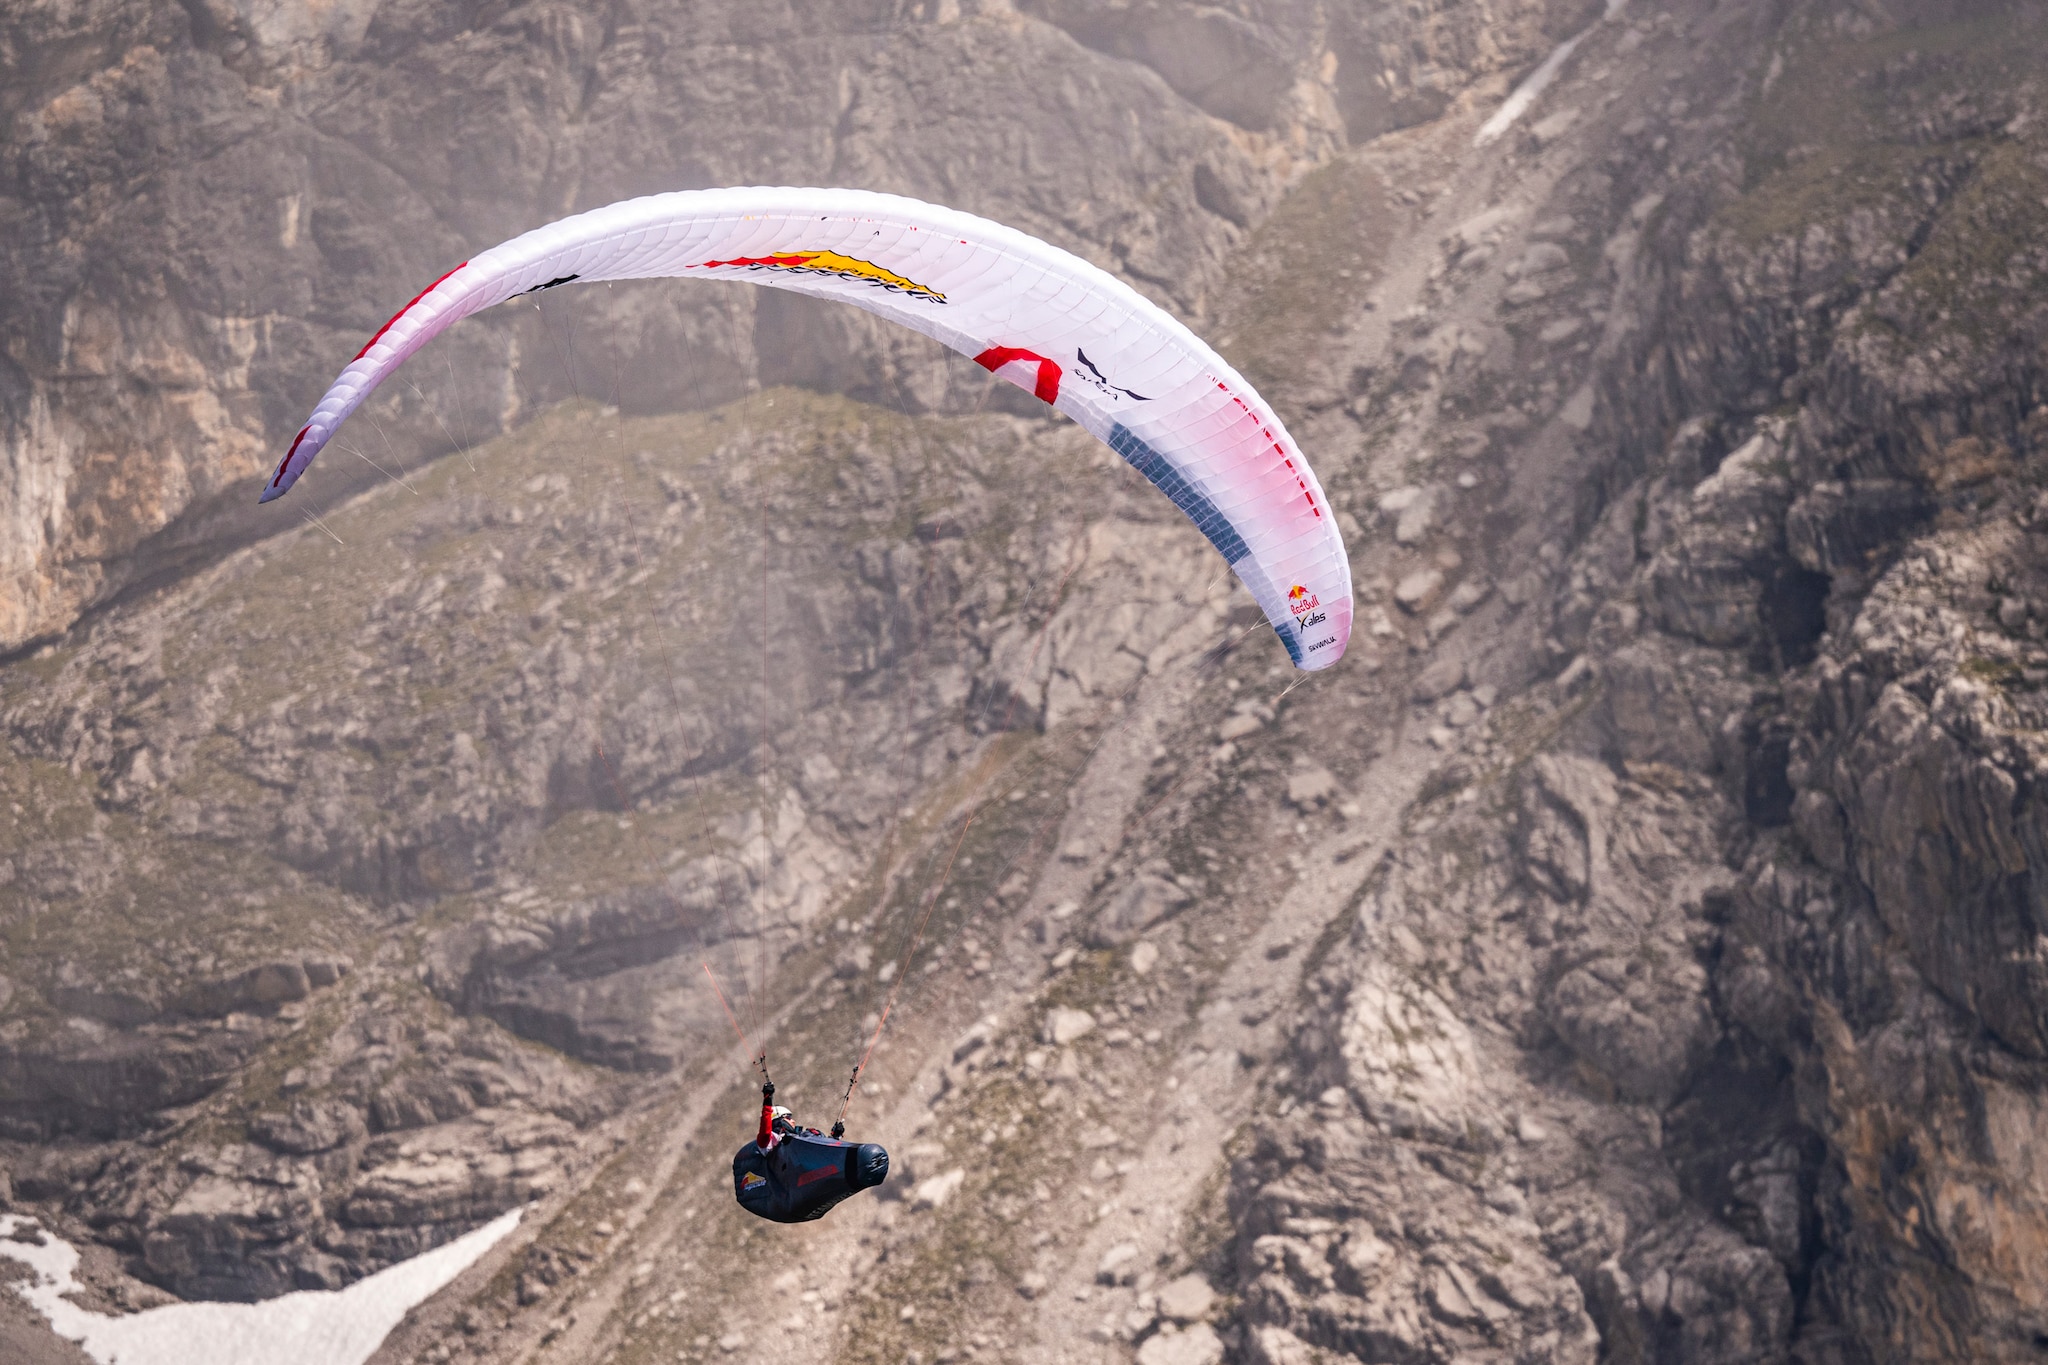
(313, 1327)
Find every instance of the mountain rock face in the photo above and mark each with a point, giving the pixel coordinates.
(1631, 952)
(205, 206)
(1790, 736)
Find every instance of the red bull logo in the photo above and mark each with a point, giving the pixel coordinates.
(832, 263)
(1301, 601)
(750, 1180)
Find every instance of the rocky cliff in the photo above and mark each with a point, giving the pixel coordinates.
(203, 204)
(1630, 953)
(1705, 979)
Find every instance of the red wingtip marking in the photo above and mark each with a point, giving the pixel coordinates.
(401, 313)
(278, 477)
(1278, 449)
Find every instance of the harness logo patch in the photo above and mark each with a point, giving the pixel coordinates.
(750, 1180)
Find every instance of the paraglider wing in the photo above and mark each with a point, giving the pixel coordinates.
(1042, 318)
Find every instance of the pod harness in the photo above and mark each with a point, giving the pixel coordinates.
(790, 1174)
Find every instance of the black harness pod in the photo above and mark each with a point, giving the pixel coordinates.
(804, 1176)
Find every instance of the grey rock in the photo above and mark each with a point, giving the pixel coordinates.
(1651, 708)
(458, 1174)
(260, 987)
(1063, 1026)
(325, 971)
(1417, 590)
(1119, 1264)
(1709, 580)
(1543, 256)
(1247, 717)
(1310, 787)
(1468, 595)
(1186, 1299)
(1141, 903)
(1823, 829)
(230, 1231)
(419, 1100)
(1642, 1028)
(310, 1126)
(1270, 1345)
(1416, 516)
(1196, 1345)
(110, 1083)
(1437, 681)
(1838, 526)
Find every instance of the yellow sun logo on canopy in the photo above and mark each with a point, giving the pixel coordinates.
(832, 263)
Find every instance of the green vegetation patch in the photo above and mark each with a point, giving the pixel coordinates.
(2005, 674)
(1986, 261)
(1849, 124)
(107, 917)
(1303, 272)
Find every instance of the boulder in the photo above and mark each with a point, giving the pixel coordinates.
(312, 1125)
(1063, 1026)
(1310, 787)
(418, 1100)
(259, 988)
(1437, 681)
(1119, 1265)
(1187, 1299)
(1544, 256)
(935, 1191)
(1417, 590)
(1142, 902)
(1198, 1345)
